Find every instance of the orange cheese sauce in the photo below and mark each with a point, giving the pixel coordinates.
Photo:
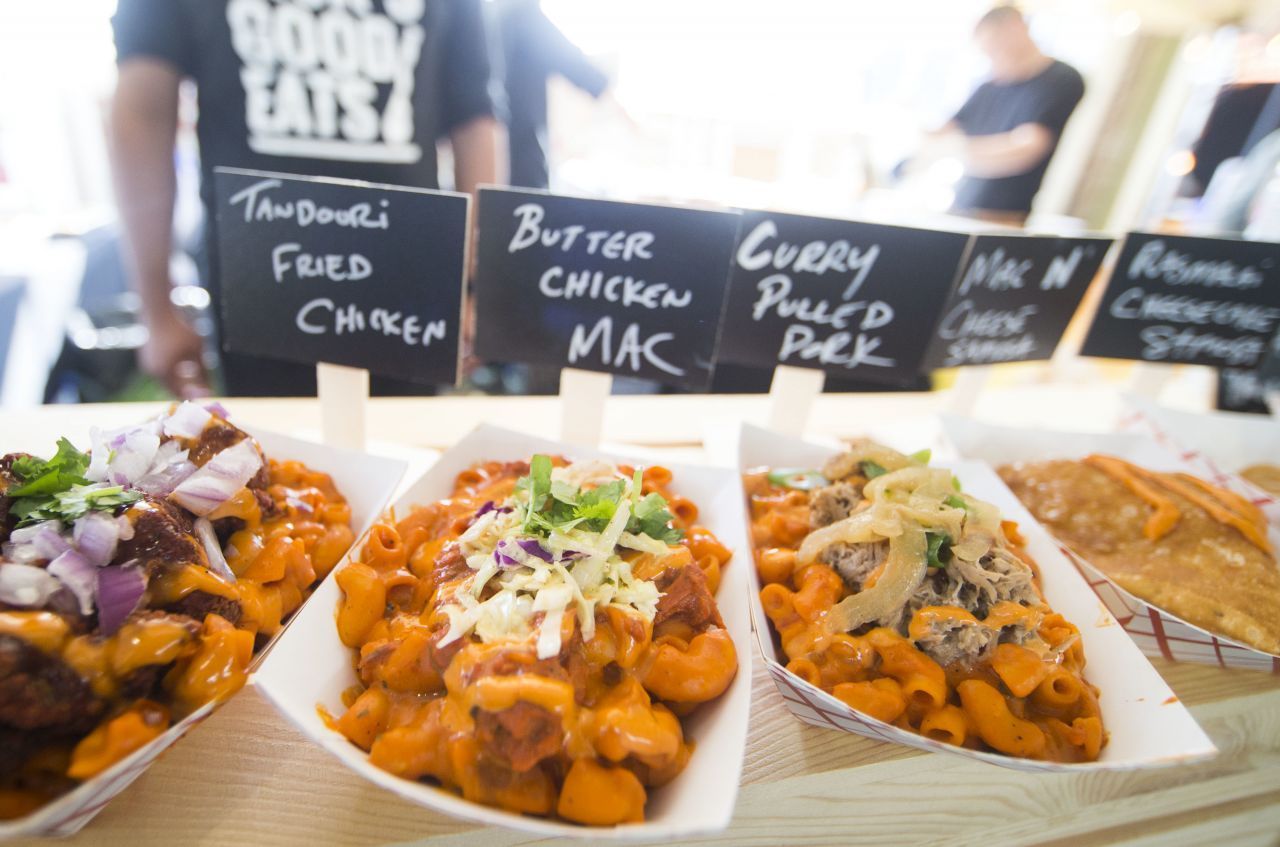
(1032, 703)
(583, 736)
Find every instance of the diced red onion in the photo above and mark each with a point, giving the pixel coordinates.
(133, 459)
(41, 542)
(120, 590)
(187, 421)
(99, 456)
(26, 585)
(79, 575)
(219, 479)
(95, 536)
(160, 483)
(216, 408)
(124, 528)
(213, 550)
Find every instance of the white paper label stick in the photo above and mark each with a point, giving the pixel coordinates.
(1149, 380)
(968, 387)
(582, 399)
(344, 402)
(791, 396)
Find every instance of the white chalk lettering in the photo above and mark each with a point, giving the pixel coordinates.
(610, 244)
(802, 342)
(631, 352)
(1156, 261)
(322, 316)
(817, 257)
(332, 266)
(1061, 270)
(994, 271)
(967, 320)
(258, 206)
(1138, 304)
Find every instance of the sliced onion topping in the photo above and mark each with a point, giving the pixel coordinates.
(213, 550)
(903, 572)
(219, 479)
(120, 590)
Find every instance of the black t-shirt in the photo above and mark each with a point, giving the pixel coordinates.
(358, 89)
(1047, 99)
(533, 49)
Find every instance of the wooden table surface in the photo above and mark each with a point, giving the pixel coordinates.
(246, 776)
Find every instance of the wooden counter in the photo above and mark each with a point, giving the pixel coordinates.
(246, 776)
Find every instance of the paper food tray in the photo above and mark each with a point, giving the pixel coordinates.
(368, 483)
(1159, 633)
(1148, 726)
(1218, 445)
(311, 667)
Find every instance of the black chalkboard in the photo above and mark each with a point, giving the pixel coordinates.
(351, 273)
(1200, 301)
(1013, 298)
(857, 300)
(624, 288)
(1241, 390)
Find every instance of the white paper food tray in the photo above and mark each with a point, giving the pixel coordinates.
(368, 482)
(310, 667)
(1159, 633)
(1218, 445)
(1149, 727)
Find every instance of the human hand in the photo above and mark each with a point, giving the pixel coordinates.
(174, 354)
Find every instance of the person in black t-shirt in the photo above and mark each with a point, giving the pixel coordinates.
(360, 89)
(1012, 122)
(534, 49)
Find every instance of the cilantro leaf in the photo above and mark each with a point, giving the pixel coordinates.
(40, 477)
(56, 489)
(939, 549)
(597, 506)
(652, 518)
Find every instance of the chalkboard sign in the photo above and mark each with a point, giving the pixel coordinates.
(856, 300)
(1013, 298)
(1199, 301)
(350, 273)
(623, 288)
(1242, 390)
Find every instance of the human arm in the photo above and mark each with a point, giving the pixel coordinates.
(143, 124)
(1002, 154)
(479, 153)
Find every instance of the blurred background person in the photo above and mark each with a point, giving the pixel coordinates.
(353, 90)
(1009, 128)
(534, 50)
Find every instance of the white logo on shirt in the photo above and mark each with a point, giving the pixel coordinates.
(313, 71)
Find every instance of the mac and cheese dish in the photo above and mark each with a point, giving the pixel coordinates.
(137, 580)
(912, 602)
(533, 641)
